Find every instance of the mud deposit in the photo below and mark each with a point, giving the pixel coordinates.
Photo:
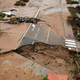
(56, 58)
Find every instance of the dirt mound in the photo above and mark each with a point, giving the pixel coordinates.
(56, 58)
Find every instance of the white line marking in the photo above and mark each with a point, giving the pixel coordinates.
(33, 27)
(35, 35)
(47, 40)
(48, 35)
(38, 29)
(71, 46)
(70, 40)
(23, 35)
(37, 13)
(25, 32)
(70, 43)
(32, 42)
(40, 24)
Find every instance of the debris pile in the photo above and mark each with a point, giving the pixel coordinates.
(17, 20)
(74, 21)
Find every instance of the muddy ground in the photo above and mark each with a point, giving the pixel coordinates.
(56, 58)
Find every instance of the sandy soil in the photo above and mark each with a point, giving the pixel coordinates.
(54, 21)
(56, 58)
(7, 3)
(10, 71)
(10, 39)
(13, 1)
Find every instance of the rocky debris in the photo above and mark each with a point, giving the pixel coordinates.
(17, 20)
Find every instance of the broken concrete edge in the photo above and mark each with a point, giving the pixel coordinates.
(14, 50)
(35, 44)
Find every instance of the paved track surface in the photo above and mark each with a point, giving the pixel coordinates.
(40, 33)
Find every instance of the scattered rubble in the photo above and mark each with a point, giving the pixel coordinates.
(16, 20)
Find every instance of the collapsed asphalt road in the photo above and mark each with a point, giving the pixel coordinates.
(37, 33)
(56, 58)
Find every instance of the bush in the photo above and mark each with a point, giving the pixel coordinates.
(74, 2)
(78, 9)
(45, 78)
(25, 0)
(74, 21)
(72, 11)
(23, 4)
(2, 15)
(18, 3)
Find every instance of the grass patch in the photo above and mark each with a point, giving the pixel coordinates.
(72, 2)
(2, 15)
(78, 9)
(45, 78)
(72, 11)
(18, 3)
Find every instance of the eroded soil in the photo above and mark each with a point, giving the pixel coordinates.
(56, 58)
